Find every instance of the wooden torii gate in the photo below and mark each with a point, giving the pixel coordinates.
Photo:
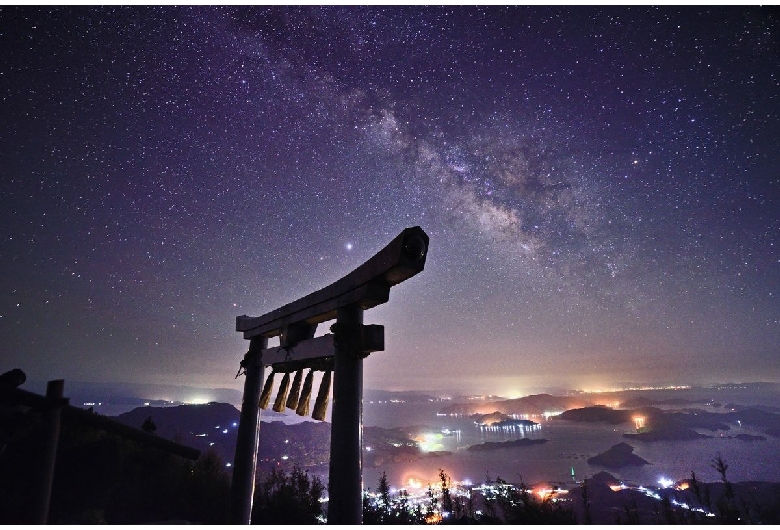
(295, 323)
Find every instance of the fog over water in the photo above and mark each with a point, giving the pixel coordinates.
(569, 445)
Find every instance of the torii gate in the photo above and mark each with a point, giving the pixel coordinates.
(295, 323)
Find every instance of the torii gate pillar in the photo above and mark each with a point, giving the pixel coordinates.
(245, 462)
(345, 478)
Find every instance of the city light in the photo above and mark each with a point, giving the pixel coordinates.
(414, 483)
(546, 492)
(430, 442)
(419, 496)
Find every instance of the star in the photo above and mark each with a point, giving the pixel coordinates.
(212, 162)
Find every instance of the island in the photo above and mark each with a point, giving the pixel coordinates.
(491, 446)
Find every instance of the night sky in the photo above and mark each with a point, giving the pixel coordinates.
(601, 188)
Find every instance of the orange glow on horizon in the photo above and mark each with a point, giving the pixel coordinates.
(413, 483)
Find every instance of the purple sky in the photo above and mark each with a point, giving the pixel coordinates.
(600, 187)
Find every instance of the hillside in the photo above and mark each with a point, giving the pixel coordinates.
(537, 404)
(215, 425)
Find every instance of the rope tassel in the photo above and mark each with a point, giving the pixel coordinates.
(295, 391)
(303, 403)
(265, 396)
(321, 405)
(281, 397)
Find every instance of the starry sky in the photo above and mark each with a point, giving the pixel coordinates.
(601, 188)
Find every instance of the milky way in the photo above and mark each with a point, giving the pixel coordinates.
(600, 187)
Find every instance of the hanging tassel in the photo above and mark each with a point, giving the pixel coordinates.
(295, 391)
(265, 396)
(303, 403)
(281, 397)
(321, 405)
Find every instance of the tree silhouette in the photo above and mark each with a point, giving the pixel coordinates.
(292, 498)
(148, 425)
